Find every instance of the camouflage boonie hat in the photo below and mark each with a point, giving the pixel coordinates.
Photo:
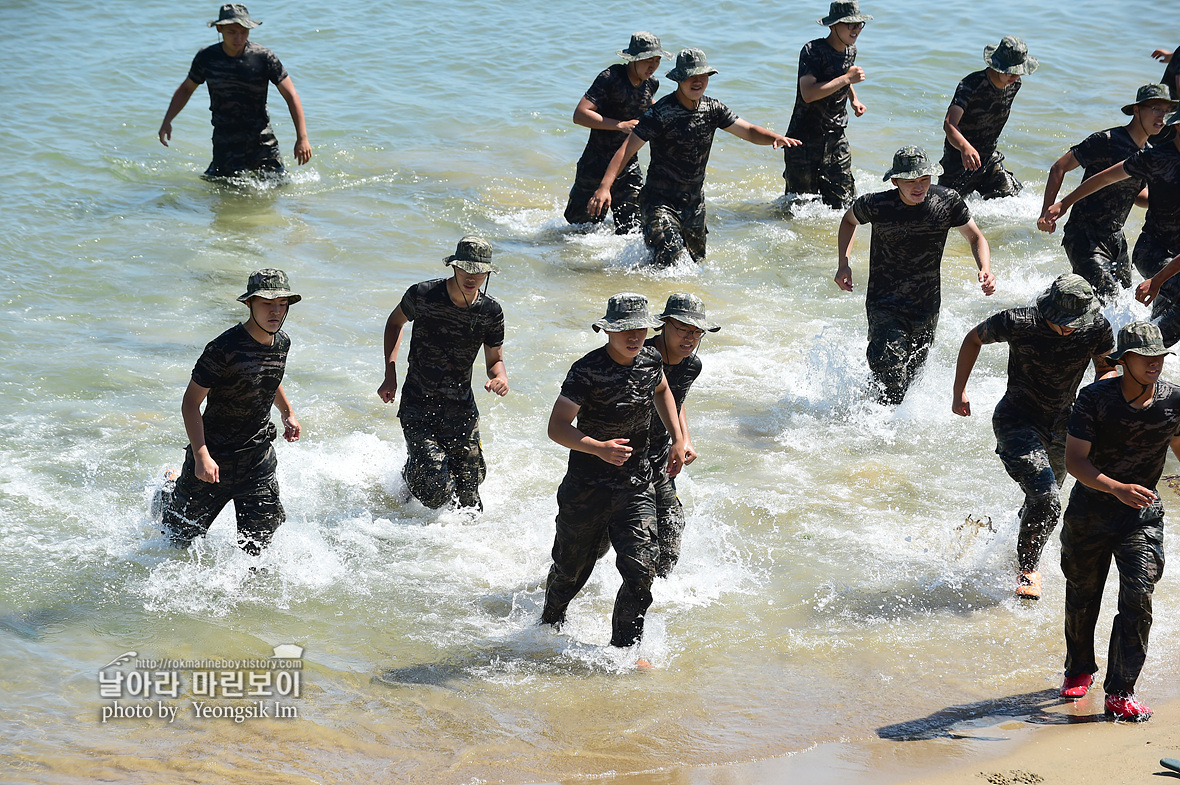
(473, 255)
(1010, 57)
(1140, 338)
(910, 163)
(234, 14)
(643, 46)
(1150, 92)
(1069, 302)
(843, 11)
(687, 308)
(626, 311)
(690, 63)
(269, 284)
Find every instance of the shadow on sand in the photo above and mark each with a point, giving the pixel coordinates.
(953, 722)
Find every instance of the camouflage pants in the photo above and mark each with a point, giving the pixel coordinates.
(1035, 458)
(586, 515)
(1101, 259)
(444, 462)
(246, 479)
(991, 180)
(624, 196)
(1151, 255)
(898, 345)
(669, 514)
(244, 151)
(821, 166)
(1095, 531)
(670, 227)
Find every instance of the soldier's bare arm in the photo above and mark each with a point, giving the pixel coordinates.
(983, 256)
(1077, 462)
(393, 344)
(179, 99)
(968, 354)
(600, 202)
(586, 114)
(562, 431)
(205, 467)
(295, 107)
(666, 408)
(1057, 172)
(493, 357)
(844, 242)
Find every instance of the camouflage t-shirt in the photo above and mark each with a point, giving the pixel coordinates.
(615, 403)
(1160, 168)
(237, 85)
(1170, 74)
(985, 112)
(680, 141)
(443, 346)
(1106, 211)
(615, 97)
(828, 115)
(905, 252)
(1044, 368)
(680, 378)
(242, 377)
(1126, 444)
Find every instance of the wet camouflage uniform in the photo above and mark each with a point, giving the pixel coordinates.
(672, 201)
(242, 136)
(598, 499)
(440, 421)
(1160, 239)
(1128, 445)
(985, 112)
(615, 96)
(905, 281)
(1044, 370)
(1093, 237)
(1170, 74)
(669, 511)
(823, 163)
(242, 377)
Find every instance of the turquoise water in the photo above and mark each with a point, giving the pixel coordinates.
(830, 584)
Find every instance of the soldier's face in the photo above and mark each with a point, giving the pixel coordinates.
(684, 338)
(469, 283)
(643, 69)
(1151, 114)
(1145, 370)
(234, 38)
(913, 191)
(269, 313)
(849, 31)
(1001, 80)
(1057, 328)
(623, 346)
(694, 87)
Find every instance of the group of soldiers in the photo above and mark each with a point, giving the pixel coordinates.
(631, 435)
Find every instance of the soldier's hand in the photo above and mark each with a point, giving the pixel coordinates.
(962, 406)
(165, 132)
(388, 388)
(675, 459)
(784, 141)
(615, 451)
(855, 74)
(599, 203)
(987, 282)
(1163, 55)
(690, 453)
(302, 151)
(1146, 291)
(205, 467)
(1135, 496)
(291, 429)
(858, 108)
(970, 158)
(843, 277)
(626, 126)
(498, 385)
(1048, 220)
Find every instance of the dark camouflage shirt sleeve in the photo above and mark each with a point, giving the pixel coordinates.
(1044, 368)
(681, 140)
(615, 402)
(238, 85)
(1126, 444)
(680, 378)
(905, 252)
(829, 114)
(444, 345)
(615, 97)
(1170, 74)
(242, 377)
(1160, 168)
(1106, 211)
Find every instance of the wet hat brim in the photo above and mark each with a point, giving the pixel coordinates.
(629, 323)
(634, 58)
(469, 266)
(272, 294)
(1129, 109)
(1051, 313)
(677, 75)
(931, 170)
(1144, 351)
(1029, 65)
(249, 24)
(694, 319)
(852, 19)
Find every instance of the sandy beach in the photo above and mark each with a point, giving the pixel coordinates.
(1070, 743)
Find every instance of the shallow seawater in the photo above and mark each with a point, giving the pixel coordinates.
(847, 568)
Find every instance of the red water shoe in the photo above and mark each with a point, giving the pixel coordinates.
(1126, 708)
(1076, 686)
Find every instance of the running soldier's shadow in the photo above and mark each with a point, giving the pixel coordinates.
(953, 722)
